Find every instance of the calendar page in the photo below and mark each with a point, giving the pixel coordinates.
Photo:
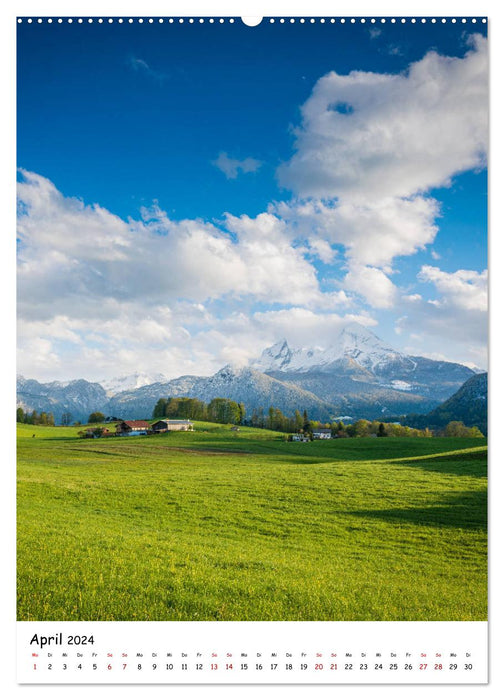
(252, 349)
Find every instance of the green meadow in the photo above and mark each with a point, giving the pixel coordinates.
(218, 525)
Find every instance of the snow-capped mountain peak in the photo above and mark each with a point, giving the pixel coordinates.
(277, 356)
(131, 381)
(360, 344)
(354, 342)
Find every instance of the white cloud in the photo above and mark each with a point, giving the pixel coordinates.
(372, 234)
(372, 284)
(300, 326)
(73, 255)
(464, 289)
(95, 348)
(369, 148)
(231, 167)
(36, 358)
(367, 135)
(456, 321)
(322, 249)
(99, 295)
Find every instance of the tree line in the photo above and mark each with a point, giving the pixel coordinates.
(218, 410)
(375, 428)
(221, 410)
(33, 417)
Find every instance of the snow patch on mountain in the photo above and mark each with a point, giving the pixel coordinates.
(400, 385)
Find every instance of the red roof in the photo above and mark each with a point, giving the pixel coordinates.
(134, 424)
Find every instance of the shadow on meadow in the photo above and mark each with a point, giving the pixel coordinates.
(461, 464)
(465, 510)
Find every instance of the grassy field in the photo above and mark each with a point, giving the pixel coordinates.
(217, 525)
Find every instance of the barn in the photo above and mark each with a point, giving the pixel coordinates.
(133, 427)
(164, 426)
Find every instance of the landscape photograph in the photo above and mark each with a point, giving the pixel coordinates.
(252, 319)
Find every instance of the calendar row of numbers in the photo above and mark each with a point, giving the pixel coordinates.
(256, 667)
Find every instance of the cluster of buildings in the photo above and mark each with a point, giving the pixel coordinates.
(140, 427)
(318, 434)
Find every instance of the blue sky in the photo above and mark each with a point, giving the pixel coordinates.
(191, 193)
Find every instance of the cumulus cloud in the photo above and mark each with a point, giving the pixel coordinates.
(104, 292)
(322, 249)
(231, 167)
(464, 289)
(372, 234)
(457, 321)
(304, 327)
(369, 148)
(368, 135)
(74, 255)
(372, 284)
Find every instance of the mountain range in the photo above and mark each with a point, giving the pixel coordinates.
(357, 376)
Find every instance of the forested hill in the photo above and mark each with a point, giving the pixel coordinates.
(469, 405)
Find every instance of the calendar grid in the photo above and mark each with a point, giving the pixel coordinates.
(327, 653)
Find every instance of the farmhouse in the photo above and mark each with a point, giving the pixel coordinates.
(164, 426)
(132, 427)
(322, 434)
(297, 437)
(96, 432)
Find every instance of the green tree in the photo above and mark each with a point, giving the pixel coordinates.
(159, 408)
(455, 428)
(66, 418)
(96, 417)
(362, 428)
(20, 415)
(337, 429)
(172, 408)
(381, 431)
(221, 410)
(350, 430)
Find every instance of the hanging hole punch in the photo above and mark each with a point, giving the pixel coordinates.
(251, 21)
